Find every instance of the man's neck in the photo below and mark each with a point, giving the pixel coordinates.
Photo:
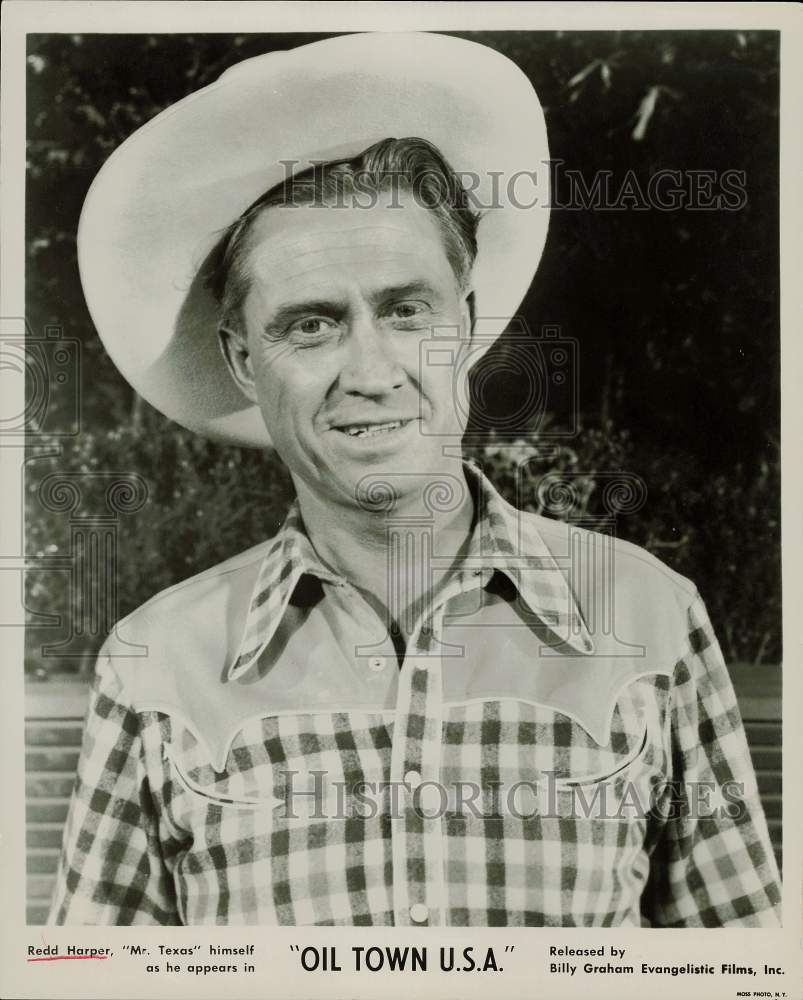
(386, 553)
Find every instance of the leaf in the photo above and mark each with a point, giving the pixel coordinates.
(586, 71)
(645, 112)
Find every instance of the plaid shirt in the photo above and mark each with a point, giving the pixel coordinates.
(267, 761)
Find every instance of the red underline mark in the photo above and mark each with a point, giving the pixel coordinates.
(66, 958)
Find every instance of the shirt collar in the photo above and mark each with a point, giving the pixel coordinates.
(503, 540)
(506, 540)
(289, 557)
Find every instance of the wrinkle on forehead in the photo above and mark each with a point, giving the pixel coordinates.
(313, 251)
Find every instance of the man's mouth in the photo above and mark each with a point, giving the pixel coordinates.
(372, 430)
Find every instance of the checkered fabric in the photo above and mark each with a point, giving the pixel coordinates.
(495, 809)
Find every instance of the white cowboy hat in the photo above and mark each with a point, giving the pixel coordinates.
(161, 201)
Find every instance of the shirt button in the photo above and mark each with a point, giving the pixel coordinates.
(418, 913)
(412, 779)
(377, 663)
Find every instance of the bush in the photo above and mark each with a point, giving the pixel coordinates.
(207, 502)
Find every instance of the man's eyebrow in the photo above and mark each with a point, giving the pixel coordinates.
(419, 286)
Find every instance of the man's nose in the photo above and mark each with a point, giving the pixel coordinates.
(371, 367)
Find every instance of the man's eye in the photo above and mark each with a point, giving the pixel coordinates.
(311, 326)
(407, 310)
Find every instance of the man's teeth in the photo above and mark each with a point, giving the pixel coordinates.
(369, 430)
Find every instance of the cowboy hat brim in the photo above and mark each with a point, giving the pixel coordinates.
(162, 200)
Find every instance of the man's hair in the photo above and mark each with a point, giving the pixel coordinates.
(410, 165)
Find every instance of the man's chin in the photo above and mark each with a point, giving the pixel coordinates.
(381, 486)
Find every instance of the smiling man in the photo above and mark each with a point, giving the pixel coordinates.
(404, 707)
(335, 300)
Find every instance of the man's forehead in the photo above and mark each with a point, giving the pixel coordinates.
(308, 238)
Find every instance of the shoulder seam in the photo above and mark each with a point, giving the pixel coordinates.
(687, 650)
(682, 583)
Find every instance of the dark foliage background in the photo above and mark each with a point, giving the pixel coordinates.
(674, 313)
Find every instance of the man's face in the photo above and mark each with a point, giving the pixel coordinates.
(340, 302)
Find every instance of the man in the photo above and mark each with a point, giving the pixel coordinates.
(403, 708)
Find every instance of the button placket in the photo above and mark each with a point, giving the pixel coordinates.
(416, 839)
(419, 890)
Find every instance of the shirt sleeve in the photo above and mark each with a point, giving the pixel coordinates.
(111, 870)
(712, 864)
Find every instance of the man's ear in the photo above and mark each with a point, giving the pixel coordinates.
(234, 347)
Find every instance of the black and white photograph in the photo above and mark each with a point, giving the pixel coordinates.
(400, 467)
